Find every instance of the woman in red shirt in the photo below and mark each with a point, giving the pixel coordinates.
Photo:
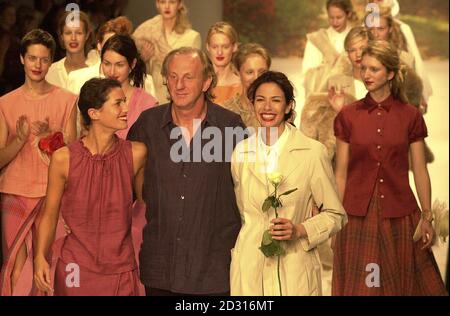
(375, 254)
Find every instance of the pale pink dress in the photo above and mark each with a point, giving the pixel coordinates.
(23, 182)
(139, 102)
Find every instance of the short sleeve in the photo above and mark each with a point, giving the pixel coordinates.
(418, 129)
(341, 128)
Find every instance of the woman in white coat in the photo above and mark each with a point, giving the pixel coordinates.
(304, 165)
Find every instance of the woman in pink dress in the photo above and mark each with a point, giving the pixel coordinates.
(102, 169)
(34, 111)
(120, 60)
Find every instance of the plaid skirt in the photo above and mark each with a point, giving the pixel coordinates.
(376, 256)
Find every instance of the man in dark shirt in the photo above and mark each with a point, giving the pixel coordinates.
(193, 219)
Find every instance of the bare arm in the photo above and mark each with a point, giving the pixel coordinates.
(423, 188)
(9, 151)
(71, 126)
(139, 161)
(57, 176)
(421, 176)
(342, 157)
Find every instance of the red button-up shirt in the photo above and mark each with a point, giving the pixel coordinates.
(379, 135)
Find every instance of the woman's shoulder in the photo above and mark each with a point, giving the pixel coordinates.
(145, 97)
(138, 149)
(302, 140)
(190, 36)
(12, 95)
(62, 155)
(350, 109)
(152, 22)
(407, 109)
(321, 31)
(63, 95)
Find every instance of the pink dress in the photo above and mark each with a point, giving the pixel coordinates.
(23, 182)
(139, 102)
(97, 206)
(57, 106)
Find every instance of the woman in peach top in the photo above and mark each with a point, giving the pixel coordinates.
(34, 111)
(251, 61)
(221, 44)
(121, 61)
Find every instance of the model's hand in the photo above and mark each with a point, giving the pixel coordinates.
(336, 97)
(22, 129)
(40, 128)
(284, 229)
(315, 211)
(147, 51)
(67, 229)
(423, 106)
(42, 275)
(427, 234)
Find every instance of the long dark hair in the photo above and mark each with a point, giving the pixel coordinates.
(124, 45)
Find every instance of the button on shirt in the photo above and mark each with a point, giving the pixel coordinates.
(193, 220)
(379, 135)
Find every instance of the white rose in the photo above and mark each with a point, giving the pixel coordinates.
(275, 178)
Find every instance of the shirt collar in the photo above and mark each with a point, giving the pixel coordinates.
(370, 104)
(211, 115)
(293, 140)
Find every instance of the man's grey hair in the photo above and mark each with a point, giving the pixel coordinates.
(208, 68)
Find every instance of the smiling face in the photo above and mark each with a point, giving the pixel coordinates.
(221, 49)
(185, 80)
(113, 113)
(337, 18)
(168, 8)
(74, 38)
(374, 74)
(271, 106)
(36, 61)
(115, 66)
(253, 67)
(355, 51)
